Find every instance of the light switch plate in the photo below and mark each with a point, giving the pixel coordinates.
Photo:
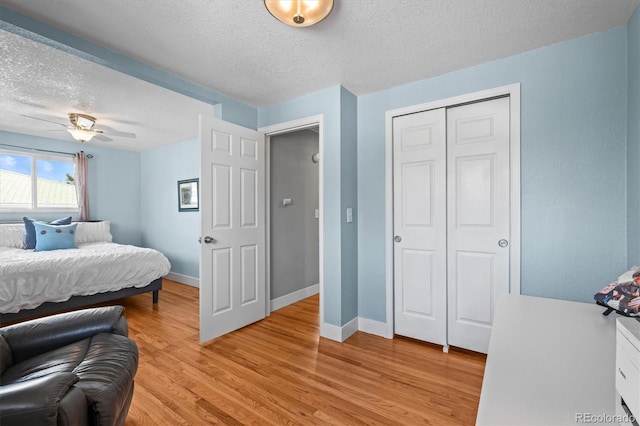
(349, 215)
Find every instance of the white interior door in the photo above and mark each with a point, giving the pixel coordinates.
(232, 214)
(478, 206)
(419, 182)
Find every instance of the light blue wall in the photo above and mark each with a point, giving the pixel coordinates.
(114, 184)
(328, 102)
(633, 140)
(573, 164)
(164, 228)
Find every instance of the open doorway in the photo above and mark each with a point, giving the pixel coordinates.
(293, 216)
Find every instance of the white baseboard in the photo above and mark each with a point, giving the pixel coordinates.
(339, 334)
(329, 331)
(294, 297)
(377, 328)
(183, 279)
(349, 329)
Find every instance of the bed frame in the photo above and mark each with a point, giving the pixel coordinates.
(48, 308)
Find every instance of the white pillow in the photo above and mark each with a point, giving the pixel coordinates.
(12, 235)
(94, 232)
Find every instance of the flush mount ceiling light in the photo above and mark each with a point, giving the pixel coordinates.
(299, 13)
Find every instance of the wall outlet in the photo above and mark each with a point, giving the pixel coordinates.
(349, 215)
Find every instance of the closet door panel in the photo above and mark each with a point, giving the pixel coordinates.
(475, 201)
(475, 281)
(417, 291)
(419, 157)
(478, 214)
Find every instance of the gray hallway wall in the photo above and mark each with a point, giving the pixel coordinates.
(294, 228)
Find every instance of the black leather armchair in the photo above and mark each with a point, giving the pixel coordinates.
(75, 368)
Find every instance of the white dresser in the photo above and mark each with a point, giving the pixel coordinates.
(550, 362)
(628, 363)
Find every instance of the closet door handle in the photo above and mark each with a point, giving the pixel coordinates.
(503, 243)
(397, 238)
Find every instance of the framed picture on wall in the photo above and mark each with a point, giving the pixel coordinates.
(188, 200)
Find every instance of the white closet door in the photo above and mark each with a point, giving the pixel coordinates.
(478, 219)
(419, 182)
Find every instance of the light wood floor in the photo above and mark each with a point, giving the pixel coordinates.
(279, 371)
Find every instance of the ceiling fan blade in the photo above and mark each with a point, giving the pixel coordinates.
(32, 104)
(44, 119)
(121, 134)
(102, 138)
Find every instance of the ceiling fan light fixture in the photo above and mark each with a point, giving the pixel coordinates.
(299, 13)
(81, 135)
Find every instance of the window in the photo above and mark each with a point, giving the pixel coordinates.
(36, 183)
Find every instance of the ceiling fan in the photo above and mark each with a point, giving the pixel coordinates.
(82, 128)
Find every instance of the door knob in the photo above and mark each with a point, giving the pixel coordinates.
(397, 238)
(207, 240)
(503, 243)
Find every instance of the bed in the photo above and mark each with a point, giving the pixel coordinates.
(36, 283)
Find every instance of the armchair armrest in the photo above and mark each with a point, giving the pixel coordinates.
(34, 401)
(41, 335)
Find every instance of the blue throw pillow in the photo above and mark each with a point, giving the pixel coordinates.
(30, 230)
(55, 237)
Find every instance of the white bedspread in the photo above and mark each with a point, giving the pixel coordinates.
(28, 278)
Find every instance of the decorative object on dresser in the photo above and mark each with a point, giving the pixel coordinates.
(36, 283)
(622, 295)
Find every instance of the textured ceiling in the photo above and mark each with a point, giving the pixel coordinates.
(235, 47)
(43, 82)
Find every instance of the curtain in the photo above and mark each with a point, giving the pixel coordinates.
(80, 163)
